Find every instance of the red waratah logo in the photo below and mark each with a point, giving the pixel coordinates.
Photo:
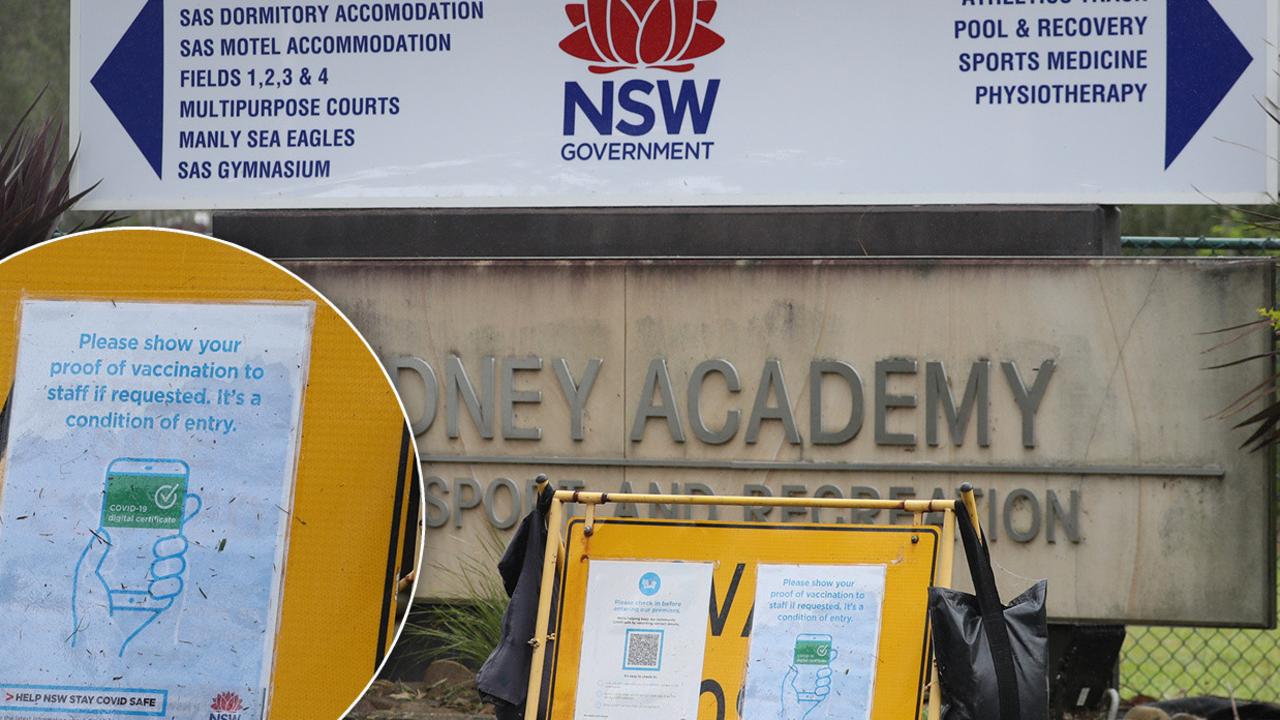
(227, 702)
(622, 34)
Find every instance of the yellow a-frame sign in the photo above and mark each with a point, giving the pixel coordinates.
(905, 559)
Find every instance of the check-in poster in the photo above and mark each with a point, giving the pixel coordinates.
(145, 507)
(642, 659)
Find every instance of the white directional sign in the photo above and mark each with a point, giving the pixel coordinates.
(197, 104)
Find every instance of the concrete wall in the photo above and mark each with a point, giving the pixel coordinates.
(1114, 483)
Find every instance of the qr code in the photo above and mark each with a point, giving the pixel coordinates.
(644, 650)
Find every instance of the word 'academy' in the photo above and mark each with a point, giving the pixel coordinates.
(488, 393)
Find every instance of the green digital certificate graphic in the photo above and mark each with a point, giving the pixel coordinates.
(813, 650)
(137, 500)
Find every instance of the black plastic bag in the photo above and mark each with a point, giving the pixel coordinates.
(992, 659)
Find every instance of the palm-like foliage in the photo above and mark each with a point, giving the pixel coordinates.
(1258, 405)
(34, 189)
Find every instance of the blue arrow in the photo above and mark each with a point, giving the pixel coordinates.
(131, 82)
(1205, 61)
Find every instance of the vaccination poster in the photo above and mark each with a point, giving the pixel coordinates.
(145, 506)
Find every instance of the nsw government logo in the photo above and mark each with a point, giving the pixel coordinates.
(226, 706)
(648, 45)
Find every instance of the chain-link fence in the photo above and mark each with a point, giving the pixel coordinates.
(1163, 662)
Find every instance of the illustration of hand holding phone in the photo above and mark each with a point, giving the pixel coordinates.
(808, 680)
(132, 568)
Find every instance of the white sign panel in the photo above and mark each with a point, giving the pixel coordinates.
(144, 510)
(815, 635)
(284, 104)
(642, 658)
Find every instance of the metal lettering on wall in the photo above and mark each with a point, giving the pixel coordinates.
(1069, 392)
(503, 501)
(772, 399)
(1021, 515)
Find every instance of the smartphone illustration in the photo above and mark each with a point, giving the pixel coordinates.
(812, 655)
(144, 501)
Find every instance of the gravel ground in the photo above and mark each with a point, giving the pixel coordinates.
(420, 701)
(445, 701)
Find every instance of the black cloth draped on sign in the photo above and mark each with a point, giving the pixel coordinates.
(504, 678)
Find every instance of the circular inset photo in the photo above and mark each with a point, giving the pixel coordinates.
(209, 501)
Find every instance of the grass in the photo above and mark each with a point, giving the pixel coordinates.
(1175, 662)
(464, 631)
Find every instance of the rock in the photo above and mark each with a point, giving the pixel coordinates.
(455, 674)
(363, 708)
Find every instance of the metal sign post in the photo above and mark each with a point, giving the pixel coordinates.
(917, 555)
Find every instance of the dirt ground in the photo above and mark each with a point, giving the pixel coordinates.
(420, 701)
(449, 701)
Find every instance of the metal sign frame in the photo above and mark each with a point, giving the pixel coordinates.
(555, 565)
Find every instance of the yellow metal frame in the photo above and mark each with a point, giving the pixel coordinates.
(555, 551)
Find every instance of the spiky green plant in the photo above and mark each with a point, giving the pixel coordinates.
(35, 185)
(469, 629)
(1260, 400)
